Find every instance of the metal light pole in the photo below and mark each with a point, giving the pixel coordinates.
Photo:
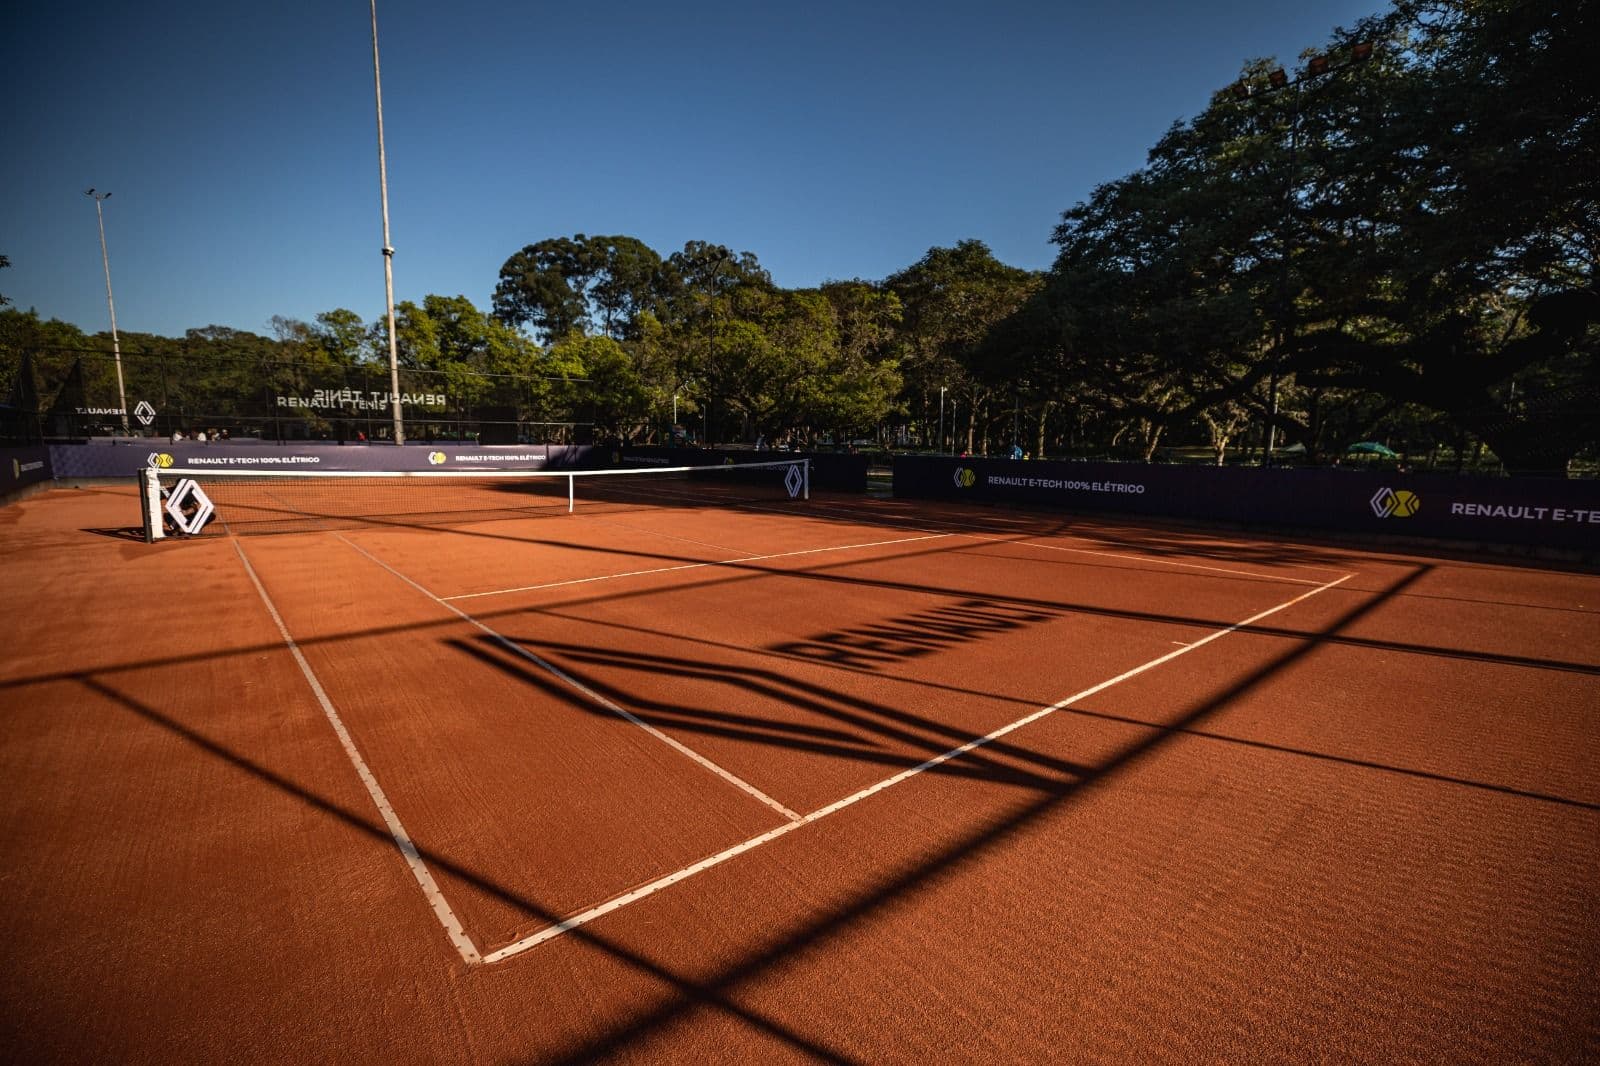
(940, 447)
(116, 345)
(388, 252)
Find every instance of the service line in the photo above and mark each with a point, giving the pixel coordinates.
(588, 693)
(688, 566)
(1027, 539)
(566, 925)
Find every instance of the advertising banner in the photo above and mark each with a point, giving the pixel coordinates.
(1530, 511)
(21, 467)
(126, 458)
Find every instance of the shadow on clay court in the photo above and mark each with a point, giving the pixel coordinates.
(864, 721)
(1053, 782)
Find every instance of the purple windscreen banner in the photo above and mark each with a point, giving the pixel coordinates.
(1531, 511)
(21, 467)
(126, 459)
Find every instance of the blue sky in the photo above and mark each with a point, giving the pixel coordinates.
(833, 140)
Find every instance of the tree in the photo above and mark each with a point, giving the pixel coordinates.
(564, 285)
(1422, 226)
(952, 299)
(614, 392)
(450, 347)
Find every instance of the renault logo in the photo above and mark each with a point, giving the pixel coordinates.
(189, 507)
(965, 477)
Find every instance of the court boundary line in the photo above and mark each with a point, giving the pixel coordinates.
(566, 925)
(435, 897)
(408, 849)
(588, 693)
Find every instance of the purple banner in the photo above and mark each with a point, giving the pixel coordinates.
(1533, 511)
(21, 467)
(126, 458)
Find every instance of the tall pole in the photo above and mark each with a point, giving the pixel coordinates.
(116, 345)
(388, 252)
(940, 447)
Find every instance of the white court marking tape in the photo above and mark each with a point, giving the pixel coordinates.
(566, 925)
(691, 566)
(419, 870)
(517, 649)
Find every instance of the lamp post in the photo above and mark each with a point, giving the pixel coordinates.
(116, 345)
(1277, 80)
(940, 447)
(388, 252)
(675, 394)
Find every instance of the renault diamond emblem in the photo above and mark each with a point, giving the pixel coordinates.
(188, 506)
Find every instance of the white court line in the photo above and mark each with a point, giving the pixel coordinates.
(517, 649)
(1030, 540)
(566, 925)
(430, 888)
(689, 566)
(1147, 559)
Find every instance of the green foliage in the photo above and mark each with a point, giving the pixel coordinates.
(614, 393)
(1420, 227)
(560, 286)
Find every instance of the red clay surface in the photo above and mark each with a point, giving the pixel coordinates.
(1363, 826)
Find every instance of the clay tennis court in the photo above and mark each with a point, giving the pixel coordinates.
(843, 780)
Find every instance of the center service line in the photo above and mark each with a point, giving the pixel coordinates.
(517, 649)
(550, 932)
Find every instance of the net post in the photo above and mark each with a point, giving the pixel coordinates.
(805, 476)
(150, 504)
(571, 481)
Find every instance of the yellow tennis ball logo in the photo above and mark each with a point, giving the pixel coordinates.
(436, 458)
(1395, 503)
(965, 477)
(163, 460)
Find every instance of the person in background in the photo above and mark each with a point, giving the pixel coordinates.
(200, 435)
(177, 436)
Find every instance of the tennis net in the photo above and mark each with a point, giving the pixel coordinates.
(179, 501)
